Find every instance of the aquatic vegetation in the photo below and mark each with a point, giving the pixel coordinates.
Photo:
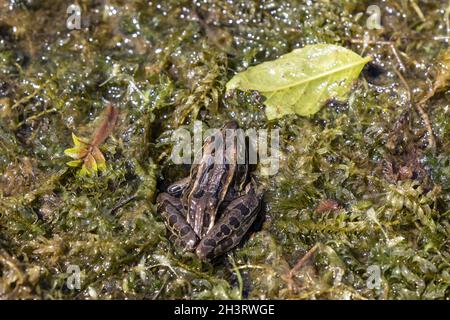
(359, 192)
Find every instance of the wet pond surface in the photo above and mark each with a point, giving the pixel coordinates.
(362, 191)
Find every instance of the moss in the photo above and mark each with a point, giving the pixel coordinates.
(164, 65)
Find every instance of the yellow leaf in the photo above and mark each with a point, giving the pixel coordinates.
(83, 171)
(77, 152)
(89, 164)
(79, 142)
(99, 158)
(75, 163)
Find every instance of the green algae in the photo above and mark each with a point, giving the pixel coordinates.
(166, 64)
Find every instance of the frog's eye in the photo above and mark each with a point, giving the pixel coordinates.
(176, 189)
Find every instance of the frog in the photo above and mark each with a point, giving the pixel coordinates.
(212, 209)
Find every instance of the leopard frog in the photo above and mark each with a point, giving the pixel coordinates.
(212, 209)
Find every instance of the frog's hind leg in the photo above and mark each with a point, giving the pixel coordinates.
(234, 223)
(181, 233)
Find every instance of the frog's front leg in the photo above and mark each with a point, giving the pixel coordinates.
(234, 223)
(171, 209)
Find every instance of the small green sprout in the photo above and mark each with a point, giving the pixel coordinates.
(86, 152)
(89, 157)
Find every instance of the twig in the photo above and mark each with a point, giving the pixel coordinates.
(303, 260)
(367, 41)
(400, 63)
(106, 126)
(122, 203)
(158, 293)
(29, 97)
(37, 116)
(405, 84)
(417, 10)
(421, 111)
(383, 43)
(426, 121)
(239, 277)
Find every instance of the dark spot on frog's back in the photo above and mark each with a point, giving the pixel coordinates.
(198, 194)
(206, 219)
(172, 219)
(225, 230)
(243, 209)
(226, 244)
(209, 243)
(184, 231)
(234, 222)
